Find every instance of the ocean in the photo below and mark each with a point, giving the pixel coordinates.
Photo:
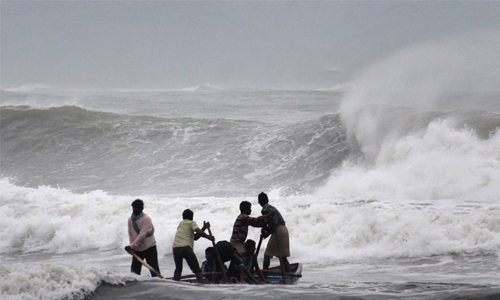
(383, 200)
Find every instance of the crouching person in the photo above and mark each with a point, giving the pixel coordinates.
(210, 267)
(237, 267)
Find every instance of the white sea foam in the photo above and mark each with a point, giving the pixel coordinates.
(57, 221)
(439, 163)
(51, 281)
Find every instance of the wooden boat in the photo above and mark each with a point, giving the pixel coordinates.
(274, 275)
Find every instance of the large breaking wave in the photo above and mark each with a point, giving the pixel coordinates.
(85, 150)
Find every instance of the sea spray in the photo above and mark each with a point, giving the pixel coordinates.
(403, 93)
(427, 124)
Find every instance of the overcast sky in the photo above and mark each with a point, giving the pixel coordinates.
(165, 45)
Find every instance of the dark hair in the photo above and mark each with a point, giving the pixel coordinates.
(187, 214)
(210, 250)
(245, 205)
(249, 243)
(263, 198)
(138, 204)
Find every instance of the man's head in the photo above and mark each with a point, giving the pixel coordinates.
(137, 206)
(263, 200)
(245, 207)
(209, 253)
(187, 214)
(249, 247)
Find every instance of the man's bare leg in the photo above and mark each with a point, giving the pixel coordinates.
(199, 278)
(286, 264)
(267, 262)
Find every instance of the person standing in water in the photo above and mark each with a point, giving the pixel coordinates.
(279, 242)
(187, 232)
(142, 239)
(240, 227)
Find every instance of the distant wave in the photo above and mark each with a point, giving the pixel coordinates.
(41, 87)
(203, 88)
(33, 87)
(336, 88)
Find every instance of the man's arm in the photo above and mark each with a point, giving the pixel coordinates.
(249, 275)
(260, 221)
(201, 232)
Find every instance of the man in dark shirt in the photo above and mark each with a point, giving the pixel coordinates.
(279, 242)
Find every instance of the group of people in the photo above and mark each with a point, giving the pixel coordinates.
(239, 252)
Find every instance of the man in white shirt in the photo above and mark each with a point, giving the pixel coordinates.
(142, 239)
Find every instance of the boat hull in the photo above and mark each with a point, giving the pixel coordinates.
(273, 274)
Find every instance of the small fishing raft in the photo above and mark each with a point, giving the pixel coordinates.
(274, 276)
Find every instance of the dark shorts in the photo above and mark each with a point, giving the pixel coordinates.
(181, 253)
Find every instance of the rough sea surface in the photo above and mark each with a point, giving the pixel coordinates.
(382, 201)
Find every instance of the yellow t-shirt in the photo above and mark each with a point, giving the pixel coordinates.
(185, 234)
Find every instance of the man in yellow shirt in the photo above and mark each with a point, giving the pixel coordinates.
(187, 232)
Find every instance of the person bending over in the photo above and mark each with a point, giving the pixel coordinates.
(237, 269)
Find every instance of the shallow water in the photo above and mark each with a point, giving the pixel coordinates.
(437, 277)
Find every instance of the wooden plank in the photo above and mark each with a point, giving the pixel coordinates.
(132, 252)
